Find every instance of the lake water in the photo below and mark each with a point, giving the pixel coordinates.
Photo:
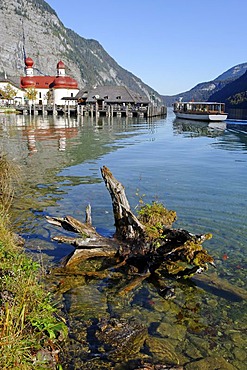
(196, 169)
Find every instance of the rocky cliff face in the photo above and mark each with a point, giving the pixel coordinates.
(32, 28)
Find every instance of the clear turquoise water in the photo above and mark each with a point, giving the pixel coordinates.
(197, 170)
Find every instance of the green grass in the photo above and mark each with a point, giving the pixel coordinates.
(30, 329)
(7, 110)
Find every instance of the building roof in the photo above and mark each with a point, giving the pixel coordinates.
(60, 65)
(12, 81)
(111, 94)
(47, 82)
(29, 62)
(63, 82)
(40, 82)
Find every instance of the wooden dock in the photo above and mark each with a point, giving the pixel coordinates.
(94, 110)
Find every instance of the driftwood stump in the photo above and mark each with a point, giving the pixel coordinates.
(147, 244)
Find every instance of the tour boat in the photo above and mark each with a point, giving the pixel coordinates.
(202, 111)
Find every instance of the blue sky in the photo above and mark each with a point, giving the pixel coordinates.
(172, 45)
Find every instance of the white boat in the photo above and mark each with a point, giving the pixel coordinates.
(201, 111)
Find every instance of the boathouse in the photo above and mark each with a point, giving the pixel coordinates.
(111, 101)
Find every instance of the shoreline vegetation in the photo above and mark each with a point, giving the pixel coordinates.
(31, 330)
(6, 110)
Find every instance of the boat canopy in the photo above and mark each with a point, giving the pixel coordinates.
(199, 106)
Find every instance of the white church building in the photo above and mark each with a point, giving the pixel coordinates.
(59, 89)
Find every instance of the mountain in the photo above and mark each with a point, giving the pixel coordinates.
(205, 90)
(32, 28)
(233, 73)
(234, 94)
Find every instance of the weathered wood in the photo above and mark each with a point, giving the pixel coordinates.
(133, 284)
(220, 286)
(90, 244)
(127, 224)
(79, 255)
(88, 215)
(72, 224)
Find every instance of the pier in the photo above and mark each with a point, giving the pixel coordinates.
(94, 110)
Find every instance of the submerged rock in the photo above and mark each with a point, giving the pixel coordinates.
(173, 331)
(120, 338)
(147, 366)
(210, 363)
(163, 349)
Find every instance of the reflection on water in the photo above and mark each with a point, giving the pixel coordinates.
(232, 134)
(187, 127)
(198, 128)
(197, 169)
(44, 146)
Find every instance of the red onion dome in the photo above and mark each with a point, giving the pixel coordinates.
(73, 84)
(65, 82)
(60, 81)
(28, 81)
(60, 65)
(29, 62)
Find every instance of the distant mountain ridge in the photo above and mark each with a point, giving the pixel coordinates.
(234, 94)
(32, 28)
(207, 90)
(233, 73)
